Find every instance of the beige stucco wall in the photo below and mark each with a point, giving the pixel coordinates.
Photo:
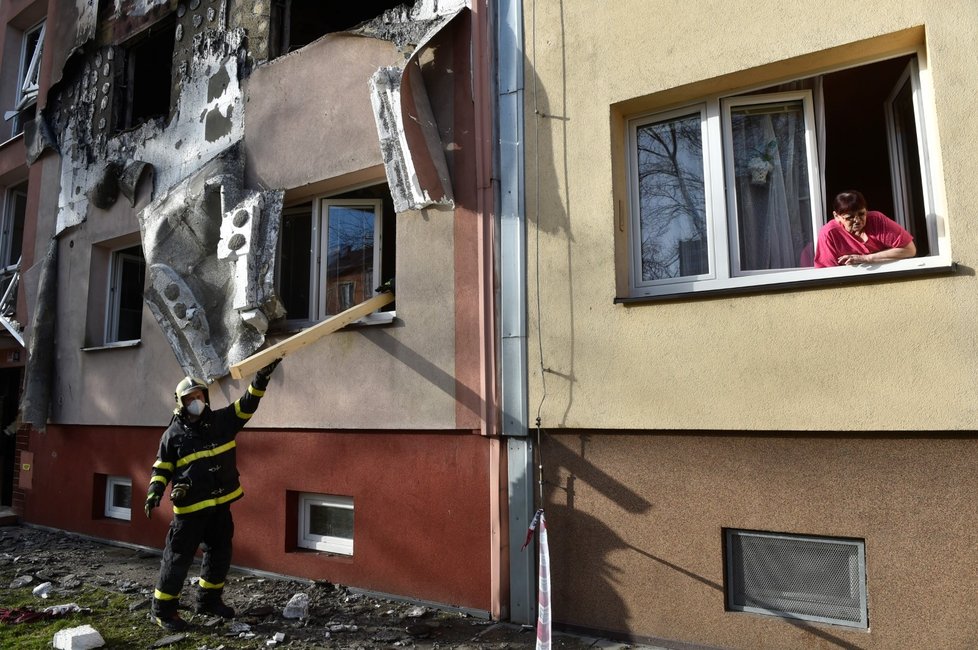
(889, 355)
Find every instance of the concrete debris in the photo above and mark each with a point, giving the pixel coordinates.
(20, 581)
(343, 627)
(173, 639)
(416, 612)
(42, 590)
(237, 627)
(83, 637)
(297, 607)
(130, 178)
(67, 608)
(278, 637)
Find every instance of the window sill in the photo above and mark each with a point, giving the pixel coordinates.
(370, 320)
(113, 346)
(799, 280)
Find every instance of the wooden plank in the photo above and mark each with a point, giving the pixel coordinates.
(281, 349)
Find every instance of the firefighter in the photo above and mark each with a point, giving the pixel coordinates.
(197, 455)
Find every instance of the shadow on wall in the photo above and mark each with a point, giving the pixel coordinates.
(548, 215)
(581, 546)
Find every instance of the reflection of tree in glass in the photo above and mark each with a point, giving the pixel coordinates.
(350, 254)
(672, 202)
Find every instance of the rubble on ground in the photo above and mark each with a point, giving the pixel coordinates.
(329, 616)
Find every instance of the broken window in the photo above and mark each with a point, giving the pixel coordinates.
(125, 301)
(32, 48)
(147, 80)
(118, 497)
(335, 251)
(301, 22)
(326, 523)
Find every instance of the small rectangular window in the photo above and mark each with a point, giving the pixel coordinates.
(127, 274)
(118, 498)
(12, 235)
(326, 523)
(795, 576)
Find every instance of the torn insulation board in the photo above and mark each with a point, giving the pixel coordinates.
(211, 269)
(208, 120)
(35, 404)
(411, 147)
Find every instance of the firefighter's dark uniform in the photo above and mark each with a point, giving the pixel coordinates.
(200, 455)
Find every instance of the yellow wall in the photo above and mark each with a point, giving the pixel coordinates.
(882, 355)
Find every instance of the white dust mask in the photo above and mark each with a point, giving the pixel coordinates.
(195, 407)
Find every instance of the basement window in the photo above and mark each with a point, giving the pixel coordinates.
(300, 22)
(798, 577)
(334, 252)
(326, 523)
(147, 79)
(118, 498)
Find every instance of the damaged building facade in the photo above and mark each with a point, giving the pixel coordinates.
(198, 180)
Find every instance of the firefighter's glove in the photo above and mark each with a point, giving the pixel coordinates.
(179, 492)
(152, 501)
(262, 376)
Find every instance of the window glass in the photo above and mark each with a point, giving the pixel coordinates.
(349, 273)
(672, 205)
(326, 523)
(334, 252)
(128, 275)
(118, 497)
(771, 185)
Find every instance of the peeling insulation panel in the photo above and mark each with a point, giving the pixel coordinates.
(207, 121)
(414, 158)
(210, 251)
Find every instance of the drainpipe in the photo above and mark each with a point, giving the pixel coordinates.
(512, 304)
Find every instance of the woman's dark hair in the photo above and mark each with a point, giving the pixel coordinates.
(849, 202)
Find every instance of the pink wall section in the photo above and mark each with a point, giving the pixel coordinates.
(422, 514)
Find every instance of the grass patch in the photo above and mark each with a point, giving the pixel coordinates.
(110, 615)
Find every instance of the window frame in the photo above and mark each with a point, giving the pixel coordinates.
(323, 222)
(113, 511)
(318, 246)
(28, 74)
(324, 543)
(117, 259)
(720, 196)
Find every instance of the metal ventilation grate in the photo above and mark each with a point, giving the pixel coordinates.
(793, 576)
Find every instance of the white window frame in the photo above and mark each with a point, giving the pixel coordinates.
(6, 233)
(322, 219)
(113, 297)
(112, 511)
(720, 202)
(28, 74)
(326, 543)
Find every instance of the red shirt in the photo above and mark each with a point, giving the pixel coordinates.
(882, 233)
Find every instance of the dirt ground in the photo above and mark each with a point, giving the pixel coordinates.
(338, 617)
